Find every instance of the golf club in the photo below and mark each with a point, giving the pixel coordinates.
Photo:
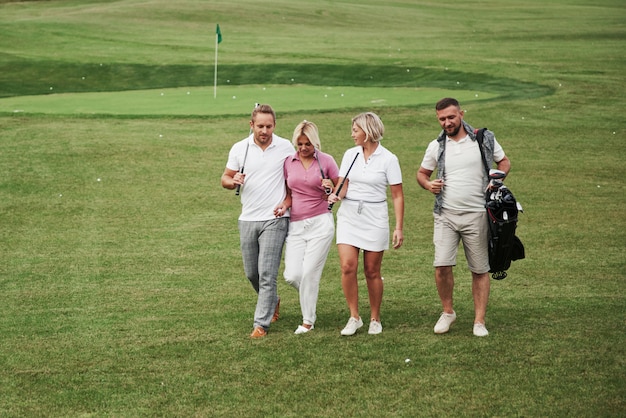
(327, 190)
(495, 186)
(495, 178)
(330, 205)
(496, 174)
(245, 157)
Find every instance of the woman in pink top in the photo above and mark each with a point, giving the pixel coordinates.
(310, 175)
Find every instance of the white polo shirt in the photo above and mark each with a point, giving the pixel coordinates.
(264, 185)
(368, 180)
(464, 176)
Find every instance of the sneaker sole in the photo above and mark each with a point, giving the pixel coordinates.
(347, 334)
(445, 330)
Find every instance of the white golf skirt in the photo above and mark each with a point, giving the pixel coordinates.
(364, 225)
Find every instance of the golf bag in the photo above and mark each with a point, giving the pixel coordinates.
(504, 245)
(502, 210)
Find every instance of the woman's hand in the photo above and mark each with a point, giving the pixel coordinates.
(398, 238)
(328, 186)
(280, 210)
(333, 198)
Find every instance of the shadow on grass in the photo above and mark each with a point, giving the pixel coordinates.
(21, 78)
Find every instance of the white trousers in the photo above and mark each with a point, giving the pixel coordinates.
(306, 249)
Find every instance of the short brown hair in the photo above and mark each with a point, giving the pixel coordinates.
(263, 108)
(447, 102)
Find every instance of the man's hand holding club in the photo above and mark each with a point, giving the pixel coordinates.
(238, 179)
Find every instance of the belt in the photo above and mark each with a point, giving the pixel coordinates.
(362, 202)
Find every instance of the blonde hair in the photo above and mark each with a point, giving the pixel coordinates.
(308, 129)
(371, 124)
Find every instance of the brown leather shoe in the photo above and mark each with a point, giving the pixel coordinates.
(258, 332)
(276, 312)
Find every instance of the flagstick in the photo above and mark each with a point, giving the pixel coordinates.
(215, 80)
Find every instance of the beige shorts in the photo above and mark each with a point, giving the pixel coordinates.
(452, 227)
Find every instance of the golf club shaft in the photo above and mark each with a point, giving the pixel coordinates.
(245, 157)
(330, 205)
(327, 190)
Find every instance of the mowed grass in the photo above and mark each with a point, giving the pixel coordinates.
(123, 290)
(232, 100)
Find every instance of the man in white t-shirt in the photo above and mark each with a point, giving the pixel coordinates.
(459, 212)
(255, 165)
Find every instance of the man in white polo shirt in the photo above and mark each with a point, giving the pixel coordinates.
(262, 231)
(459, 211)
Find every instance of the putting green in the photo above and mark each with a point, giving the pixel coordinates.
(229, 100)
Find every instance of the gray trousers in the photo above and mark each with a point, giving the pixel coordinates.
(262, 248)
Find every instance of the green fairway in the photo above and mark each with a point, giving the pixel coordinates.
(231, 100)
(123, 292)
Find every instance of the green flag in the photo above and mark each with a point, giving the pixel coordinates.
(219, 33)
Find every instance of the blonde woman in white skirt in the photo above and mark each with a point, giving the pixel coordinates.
(363, 219)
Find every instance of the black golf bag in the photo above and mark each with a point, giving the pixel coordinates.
(502, 210)
(504, 245)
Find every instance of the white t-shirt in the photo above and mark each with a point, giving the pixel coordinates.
(264, 186)
(464, 176)
(368, 180)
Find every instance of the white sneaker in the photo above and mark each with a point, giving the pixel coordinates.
(375, 327)
(480, 330)
(352, 325)
(302, 330)
(443, 324)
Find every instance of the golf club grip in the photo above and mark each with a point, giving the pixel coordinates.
(239, 185)
(330, 205)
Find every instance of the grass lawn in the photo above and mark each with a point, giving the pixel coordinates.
(233, 100)
(122, 286)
